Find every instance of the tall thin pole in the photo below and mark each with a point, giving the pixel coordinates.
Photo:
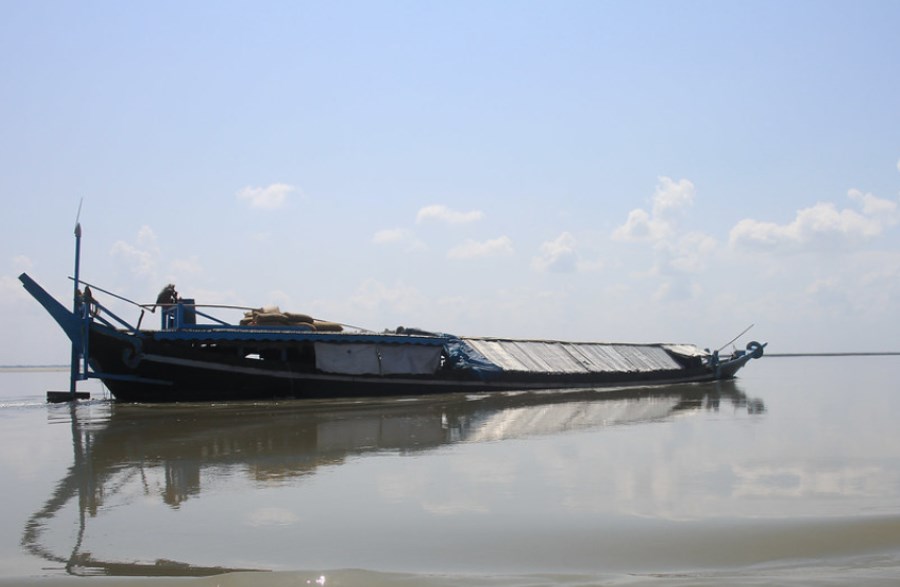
(76, 306)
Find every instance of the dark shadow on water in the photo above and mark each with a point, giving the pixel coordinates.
(288, 441)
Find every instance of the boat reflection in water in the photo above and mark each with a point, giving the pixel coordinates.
(169, 451)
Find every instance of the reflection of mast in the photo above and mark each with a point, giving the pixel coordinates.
(182, 481)
(276, 442)
(86, 493)
(74, 482)
(81, 480)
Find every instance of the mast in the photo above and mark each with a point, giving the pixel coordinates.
(76, 307)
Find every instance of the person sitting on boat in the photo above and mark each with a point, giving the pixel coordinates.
(168, 295)
(87, 298)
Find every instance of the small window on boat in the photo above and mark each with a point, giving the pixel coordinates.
(253, 356)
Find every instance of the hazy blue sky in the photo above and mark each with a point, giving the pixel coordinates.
(640, 171)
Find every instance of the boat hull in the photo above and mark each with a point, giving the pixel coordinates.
(162, 372)
(184, 362)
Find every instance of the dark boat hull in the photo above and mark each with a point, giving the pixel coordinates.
(164, 372)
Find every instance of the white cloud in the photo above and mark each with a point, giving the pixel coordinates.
(445, 214)
(11, 290)
(676, 254)
(490, 248)
(639, 227)
(690, 252)
(140, 257)
(398, 236)
(266, 198)
(558, 255)
(391, 235)
(670, 197)
(821, 223)
(678, 261)
(886, 210)
(146, 237)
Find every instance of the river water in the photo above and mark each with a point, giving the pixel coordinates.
(789, 475)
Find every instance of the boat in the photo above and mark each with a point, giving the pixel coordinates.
(194, 356)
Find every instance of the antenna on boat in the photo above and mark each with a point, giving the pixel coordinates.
(743, 332)
(73, 374)
(76, 307)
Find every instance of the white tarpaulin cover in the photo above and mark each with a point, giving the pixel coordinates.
(685, 350)
(374, 359)
(547, 356)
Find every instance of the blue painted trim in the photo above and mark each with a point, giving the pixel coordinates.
(67, 320)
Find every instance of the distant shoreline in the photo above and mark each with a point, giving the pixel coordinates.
(32, 368)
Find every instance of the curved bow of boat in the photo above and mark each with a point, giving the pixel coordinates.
(727, 368)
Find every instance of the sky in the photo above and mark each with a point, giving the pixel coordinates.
(634, 171)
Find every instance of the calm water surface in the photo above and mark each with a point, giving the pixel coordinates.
(790, 475)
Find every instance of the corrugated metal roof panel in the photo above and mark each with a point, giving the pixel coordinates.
(544, 356)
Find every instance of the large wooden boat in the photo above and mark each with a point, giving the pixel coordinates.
(184, 360)
(270, 354)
